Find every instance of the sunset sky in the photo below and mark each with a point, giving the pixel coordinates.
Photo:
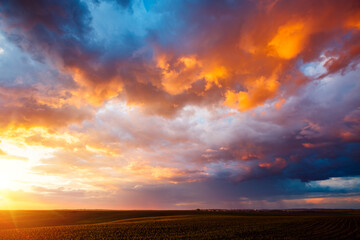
(179, 104)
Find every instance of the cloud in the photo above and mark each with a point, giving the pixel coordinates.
(150, 62)
(22, 109)
(223, 103)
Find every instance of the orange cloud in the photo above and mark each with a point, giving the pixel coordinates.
(160, 173)
(289, 40)
(276, 165)
(95, 94)
(279, 104)
(258, 92)
(179, 76)
(215, 75)
(353, 21)
(316, 145)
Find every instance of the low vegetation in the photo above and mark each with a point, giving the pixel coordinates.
(322, 224)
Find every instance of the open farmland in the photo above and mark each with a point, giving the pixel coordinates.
(322, 224)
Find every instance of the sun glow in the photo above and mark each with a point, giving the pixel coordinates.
(22, 151)
(11, 173)
(16, 160)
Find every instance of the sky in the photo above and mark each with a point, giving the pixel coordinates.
(159, 104)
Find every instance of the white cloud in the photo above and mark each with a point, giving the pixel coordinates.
(338, 183)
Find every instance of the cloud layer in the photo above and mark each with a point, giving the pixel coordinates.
(184, 104)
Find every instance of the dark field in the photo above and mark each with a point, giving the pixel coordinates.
(295, 224)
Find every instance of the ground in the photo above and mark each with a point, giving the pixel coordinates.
(201, 224)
